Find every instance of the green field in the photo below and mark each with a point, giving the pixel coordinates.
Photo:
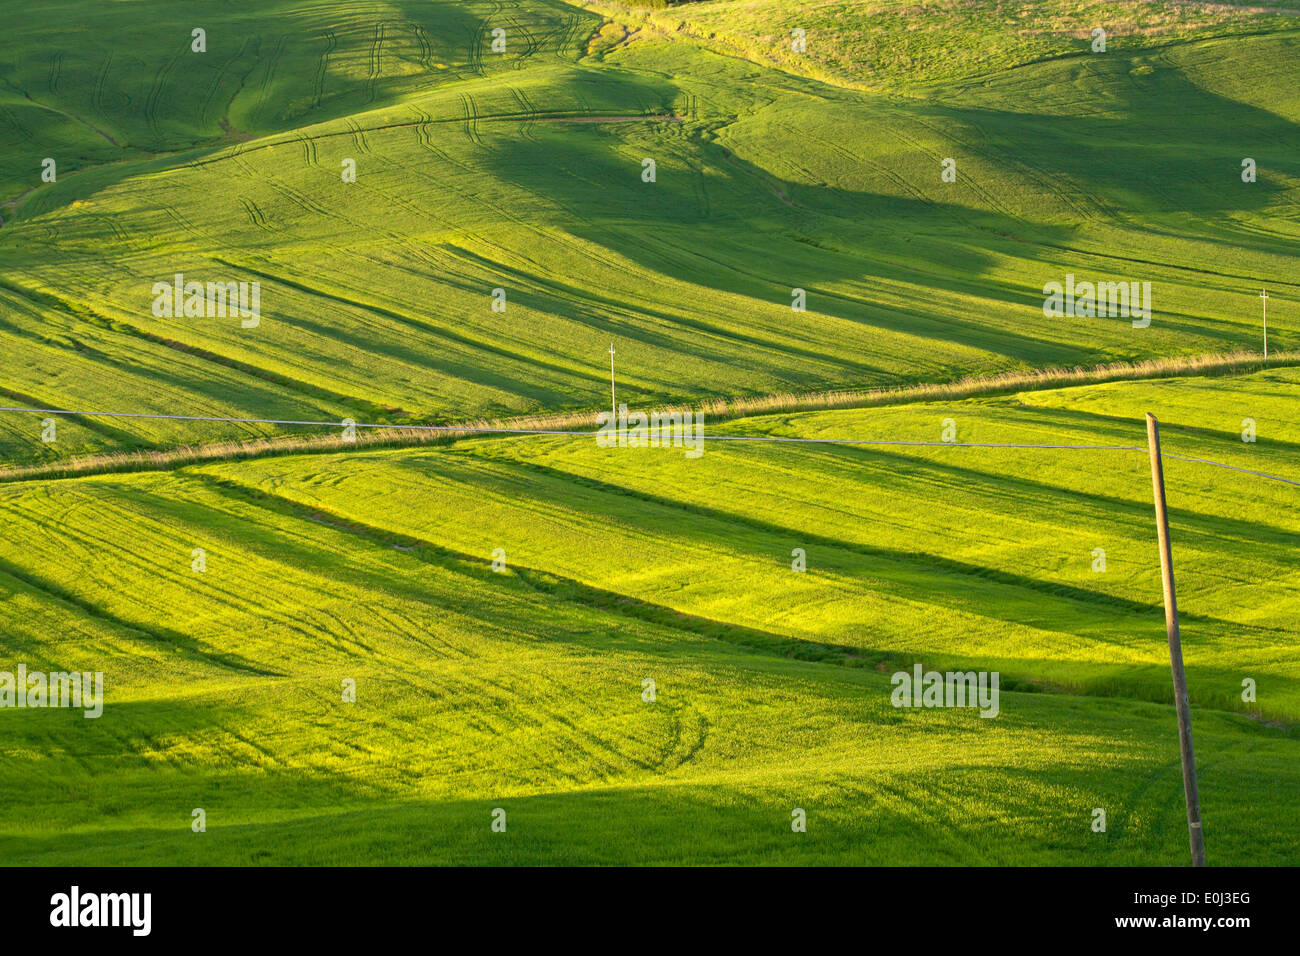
(521, 687)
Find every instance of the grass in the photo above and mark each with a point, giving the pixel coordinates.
(523, 689)
(522, 171)
(463, 187)
(897, 46)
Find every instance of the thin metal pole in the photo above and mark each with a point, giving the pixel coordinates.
(1181, 702)
(613, 400)
(1263, 298)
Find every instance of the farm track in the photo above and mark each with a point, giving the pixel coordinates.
(101, 80)
(272, 62)
(156, 91)
(448, 336)
(86, 313)
(918, 563)
(56, 68)
(152, 634)
(545, 582)
(255, 214)
(376, 49)
(205, 111)
(318, 83)
(425, 56)
(467, 116)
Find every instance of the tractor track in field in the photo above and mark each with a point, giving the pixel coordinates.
(161, 638)
(468, 194)
(11, 118)
(101, 80)
(376, 50)
(470, 119)
(525, 127)
(423, 135)
(575, 37)
(322, 66)
(184, 222)
(309, 151)
(531, 43)
(242, 165)
(690, 732)
(56, 70)
(255, 214)
(301, 200)
(272, 63)
(481, 39)
(119, 231)
(925, 565)
(283, 505)
(214, 87)
(354, 129)
(407, 320)
(358, 136)
(313, 393)
(989, 199)
(156, 90)
(552, 585)
(425, 56)
(902, 803)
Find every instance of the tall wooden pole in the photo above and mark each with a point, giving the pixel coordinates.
(1263, 300)
(613, 400)
(1181, 703)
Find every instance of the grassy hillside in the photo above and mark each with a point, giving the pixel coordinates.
(522, 170)
(473, 173)
(522, 689)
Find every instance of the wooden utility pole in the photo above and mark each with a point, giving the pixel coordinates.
(1263, 300)
(1181, 703)
(613, 400)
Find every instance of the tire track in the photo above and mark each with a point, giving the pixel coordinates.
(255, 214)
(206, 109)
(531, 43)
(690, 731)
(56, 71)
(309, 150)
(525, 106)
(376, 48)
(263, 89)
(359, 136)
(303, 201)
(159, 637)
(97, 97)
(471, 119)
(425, 56)
(318, 84)
(314, 393)
(155, 92)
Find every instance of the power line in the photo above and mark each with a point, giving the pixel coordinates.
(1219, 464)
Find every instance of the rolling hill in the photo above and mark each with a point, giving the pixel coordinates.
(520, 175)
